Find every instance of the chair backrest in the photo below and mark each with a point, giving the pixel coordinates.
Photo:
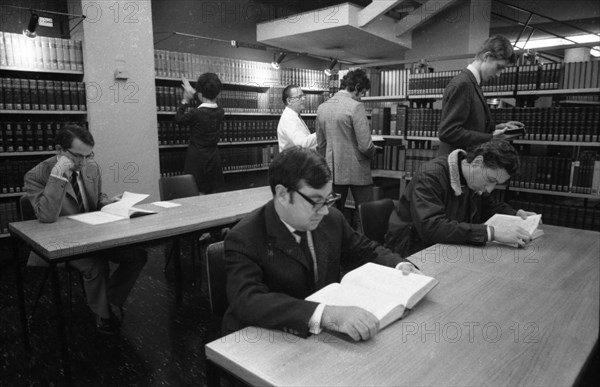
(217, 278)
(374, 218)
(175, 187)
(26, 209)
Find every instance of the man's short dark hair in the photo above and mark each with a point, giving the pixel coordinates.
(356, 80)
(209, 85)
(497, 154)
(295, 164)
(499, 48)
(285, 94)
(69, 132)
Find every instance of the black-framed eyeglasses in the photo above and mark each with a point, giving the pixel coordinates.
(81, 157)
(316, 206)
(299, 96)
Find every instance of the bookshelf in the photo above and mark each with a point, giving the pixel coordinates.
(251, 98)
(560, 158)
(41, 89)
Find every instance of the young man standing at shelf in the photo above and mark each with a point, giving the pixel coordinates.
(466, 119)
(449, 200)
(293, 246)
(202, 159)
(70, 183)
(291, 129)
(344, 138)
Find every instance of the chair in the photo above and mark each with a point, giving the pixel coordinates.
(217, 279)
(176, 187)
(374, 218)
(28, 213)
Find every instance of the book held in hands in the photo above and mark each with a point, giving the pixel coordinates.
(122, 209)
(530, 224)
(384, 291)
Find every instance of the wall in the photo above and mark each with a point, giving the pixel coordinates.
(122, 113)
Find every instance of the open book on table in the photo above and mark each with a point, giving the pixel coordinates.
(383, 291)
(118, 210)
(530, 224)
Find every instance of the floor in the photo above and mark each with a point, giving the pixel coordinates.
(161, 343)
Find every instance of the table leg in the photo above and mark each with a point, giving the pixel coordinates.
(60, 320)
(177, 265)
(213, 374)
(20, 293)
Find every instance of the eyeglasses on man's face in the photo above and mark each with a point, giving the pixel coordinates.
(316, 206)
(299, 96)
(78, 156)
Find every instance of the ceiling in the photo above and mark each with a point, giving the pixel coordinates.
(387, 32)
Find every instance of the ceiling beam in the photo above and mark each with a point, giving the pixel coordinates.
(374, 10)
(421, 15)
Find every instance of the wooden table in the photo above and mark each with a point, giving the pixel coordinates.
(67, 239)
(499, 316)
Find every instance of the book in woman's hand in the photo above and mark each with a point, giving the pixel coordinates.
(386, 292)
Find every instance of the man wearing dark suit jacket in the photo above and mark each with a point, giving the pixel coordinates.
(70, 183)
(271, 269)
(466, 119)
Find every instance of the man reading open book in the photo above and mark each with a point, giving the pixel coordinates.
(293, 246)
(69, 183)
(449, 200)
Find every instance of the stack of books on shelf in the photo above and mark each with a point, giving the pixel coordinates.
(9, 212)
(245, 158)
(171, 163)
(561, 214)
(430, 83)
(423, 122)
(549, 76)
(32, 94)
(29, 136)
(417, 154)
(380, 121)
(580, 75)
(388, 83)
(11, 174)
(248, 130)
(172, 64)
(391, 157)
(41, 53)
(561, 174)
(503, 83)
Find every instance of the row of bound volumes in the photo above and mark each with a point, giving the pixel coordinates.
(32, 94)
(9, 212)
(430, 83)
(40, 53)
(179, 64)
(587, 218)
(241, 101)
(417, 154)
(421, 122)
(381, 121)
(250, 157)
(560, 173)
(388, 83)
(392, 157)
(27, 136)
(12, 173)
(555, 123)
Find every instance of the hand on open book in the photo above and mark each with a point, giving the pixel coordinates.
(407, 268)
(516, 235)
(351, 320)
(524, 214)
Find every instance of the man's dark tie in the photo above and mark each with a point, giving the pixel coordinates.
(77, 191)
(306, 251)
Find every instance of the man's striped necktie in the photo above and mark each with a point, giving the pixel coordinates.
(75, 185)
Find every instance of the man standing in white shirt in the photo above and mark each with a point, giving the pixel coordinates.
(292, 129)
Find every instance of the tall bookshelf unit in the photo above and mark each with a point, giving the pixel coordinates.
(41, 89)
(560, 174)
(251, 97)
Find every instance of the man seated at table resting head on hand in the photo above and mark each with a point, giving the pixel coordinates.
(449, 200)
(269, 275)
(69, 183)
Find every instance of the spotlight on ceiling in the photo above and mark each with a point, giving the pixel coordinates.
(330, 68)
(33, 23)
(276, 64)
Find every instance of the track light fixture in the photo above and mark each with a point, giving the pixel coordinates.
(31, 27)
(276, 64)
(328, 70)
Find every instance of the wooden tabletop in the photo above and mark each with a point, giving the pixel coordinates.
(68, 237)
(499, 316)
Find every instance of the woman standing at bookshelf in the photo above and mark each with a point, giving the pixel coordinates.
(466, 119)
(202, 159)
